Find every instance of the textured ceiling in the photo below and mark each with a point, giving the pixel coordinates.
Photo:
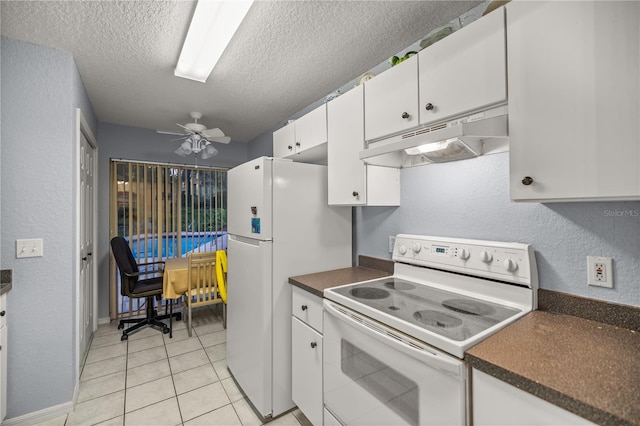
(285, 56)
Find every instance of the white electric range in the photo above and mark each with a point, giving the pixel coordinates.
(394, 347)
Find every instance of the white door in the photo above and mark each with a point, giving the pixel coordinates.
(85, 297)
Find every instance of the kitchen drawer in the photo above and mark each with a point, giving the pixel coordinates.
(307, 308)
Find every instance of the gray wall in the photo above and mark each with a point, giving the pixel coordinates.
(41, 88)
(133, 143)
(470, 199)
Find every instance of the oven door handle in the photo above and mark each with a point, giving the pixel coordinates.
(443, 363)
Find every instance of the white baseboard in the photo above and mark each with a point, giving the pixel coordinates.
(42, 415)
(103, 321)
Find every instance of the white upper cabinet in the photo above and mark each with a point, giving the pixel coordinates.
(284, 141)
(305, 139)
(465, 71)
(574, 100)
(351, 181)
(391, 100)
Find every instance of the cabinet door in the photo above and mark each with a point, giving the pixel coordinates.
(574, 100)
(391, 100)
(284, 140)
(347, 172)
(465, 71)
(306, 365)
(311, 129)
(498, 403)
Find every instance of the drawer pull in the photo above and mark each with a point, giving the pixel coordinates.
(313, 345)
(303, 307)
(3, 313)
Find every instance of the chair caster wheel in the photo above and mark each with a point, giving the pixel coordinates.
(165, 330)
(124, 337)
(120, 326)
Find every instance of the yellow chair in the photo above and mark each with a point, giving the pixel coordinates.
(221, 275)
(203, 286)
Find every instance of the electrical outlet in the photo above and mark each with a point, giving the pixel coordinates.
(392, 243)
(600, 271)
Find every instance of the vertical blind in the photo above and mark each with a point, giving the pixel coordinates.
(164, 211)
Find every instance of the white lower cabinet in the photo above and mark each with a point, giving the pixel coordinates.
(306, 354)
(498, 403)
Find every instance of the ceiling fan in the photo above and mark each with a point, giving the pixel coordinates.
(197, 138)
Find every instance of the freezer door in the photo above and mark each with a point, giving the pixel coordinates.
(249, 326)
(249, 199)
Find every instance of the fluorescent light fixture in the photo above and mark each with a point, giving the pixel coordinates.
(213, 25)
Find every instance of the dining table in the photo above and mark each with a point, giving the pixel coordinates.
(175, 281)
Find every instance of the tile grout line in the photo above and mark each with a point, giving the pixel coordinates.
(173, 381)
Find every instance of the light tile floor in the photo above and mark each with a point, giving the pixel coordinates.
(154, 380)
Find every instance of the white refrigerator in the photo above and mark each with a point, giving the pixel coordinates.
(279, 225)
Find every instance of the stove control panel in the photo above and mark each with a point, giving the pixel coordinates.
(511, 262)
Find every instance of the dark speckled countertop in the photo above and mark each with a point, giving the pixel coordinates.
(369, 268)
(587, 367)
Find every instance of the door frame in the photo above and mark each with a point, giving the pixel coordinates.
(82, 128)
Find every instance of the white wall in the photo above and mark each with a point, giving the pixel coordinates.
(41, 88)
(133, 143)
(470, 199)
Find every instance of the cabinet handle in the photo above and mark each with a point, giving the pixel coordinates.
(290, 147)
(85, 258)
(355, 193)
(313, 345)
(298, 144)
(3, 313)
(303, 307)
(405, 115)
(429, 106)
(527, 180)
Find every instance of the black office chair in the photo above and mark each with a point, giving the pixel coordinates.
(132, 286)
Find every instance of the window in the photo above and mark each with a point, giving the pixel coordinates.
(164, 211)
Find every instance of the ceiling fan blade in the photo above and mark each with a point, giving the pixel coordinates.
(221, 139)
(186, 128)
(212, 133)
(179, 139)
(162, 132)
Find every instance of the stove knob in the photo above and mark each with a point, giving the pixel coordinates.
(485, 256)
(416, 247)
(402, 249)
(509, 264)
(464, 254)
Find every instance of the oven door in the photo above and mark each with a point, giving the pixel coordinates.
(374, 375)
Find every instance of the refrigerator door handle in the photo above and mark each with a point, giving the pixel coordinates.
(245, 240)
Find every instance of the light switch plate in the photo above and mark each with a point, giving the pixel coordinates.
(29, 248)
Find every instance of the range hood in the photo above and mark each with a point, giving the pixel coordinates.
(467, 137)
